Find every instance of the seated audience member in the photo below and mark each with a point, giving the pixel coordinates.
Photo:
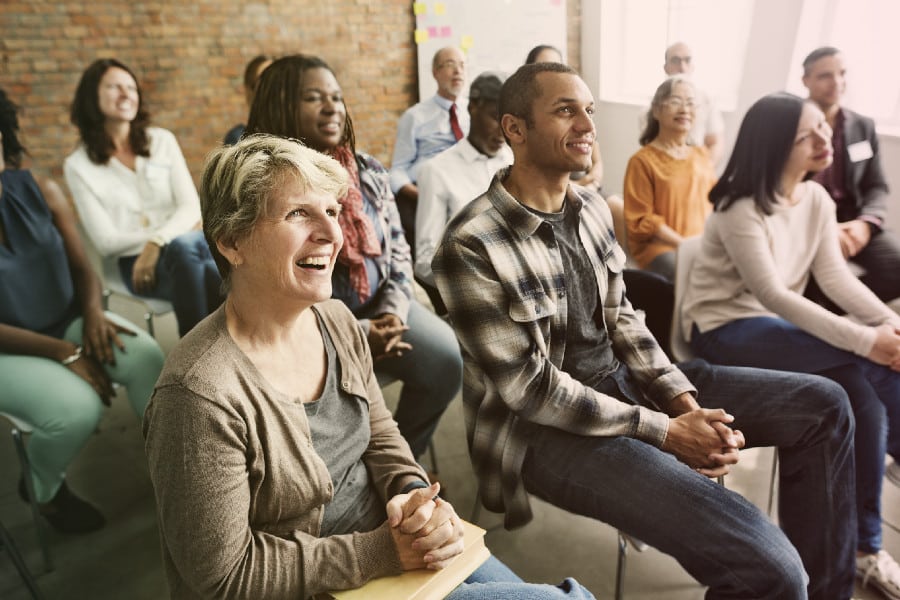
(299, 97)
(135, 196)
(708, 128)
(59, 352)
(854, 180)
(770, 231)
(666, 181)
(427, 129)
(252, 72)
(592, 177)
(458, 175)
(277, 477)
(569, 398)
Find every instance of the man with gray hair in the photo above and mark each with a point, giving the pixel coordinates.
(425, 130)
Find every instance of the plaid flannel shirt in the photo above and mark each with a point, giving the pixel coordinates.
(500, 273)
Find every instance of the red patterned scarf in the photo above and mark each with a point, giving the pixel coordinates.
(360, 240)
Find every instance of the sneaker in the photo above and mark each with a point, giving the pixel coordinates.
(880, 571)
(66, 512)
(892, 472)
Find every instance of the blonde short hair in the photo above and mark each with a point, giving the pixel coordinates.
(238, 182)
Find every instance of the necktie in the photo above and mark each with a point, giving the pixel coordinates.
(454, 124)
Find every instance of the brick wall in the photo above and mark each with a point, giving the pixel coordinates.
(190, 58)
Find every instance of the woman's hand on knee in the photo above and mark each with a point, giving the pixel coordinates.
(98, 336)
(89, 369)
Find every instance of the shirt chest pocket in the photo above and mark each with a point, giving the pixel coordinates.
(535, 312)
(158, 186)
(611, 284)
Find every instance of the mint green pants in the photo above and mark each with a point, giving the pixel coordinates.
(63, 408)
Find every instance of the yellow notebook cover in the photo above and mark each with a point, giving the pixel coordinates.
(424, 584)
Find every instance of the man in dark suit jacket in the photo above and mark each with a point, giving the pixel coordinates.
(855, 179)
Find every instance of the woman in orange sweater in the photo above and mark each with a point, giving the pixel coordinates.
(667, 182)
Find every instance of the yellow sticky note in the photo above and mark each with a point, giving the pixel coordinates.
(440, 8)
(466, 42)
(421, 36)
(419, 8)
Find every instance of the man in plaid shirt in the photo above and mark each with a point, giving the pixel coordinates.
(568, 397)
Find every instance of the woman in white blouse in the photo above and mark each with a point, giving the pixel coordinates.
(771, 230)
(135, 196)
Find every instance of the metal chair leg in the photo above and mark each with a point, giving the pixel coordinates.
(476, 508)
(148, 318)
(620, 567)
(7, 542)
(772, 480)
(32, 498)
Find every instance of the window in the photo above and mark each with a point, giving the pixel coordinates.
(634, 35)
(865, 32)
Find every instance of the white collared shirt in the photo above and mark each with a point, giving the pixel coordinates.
(447, 183)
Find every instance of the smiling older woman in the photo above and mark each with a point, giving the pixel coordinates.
(667, 181)
(277, 468)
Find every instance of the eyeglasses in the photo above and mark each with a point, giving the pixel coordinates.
(453, 64)
(676, 103)
(680, 60)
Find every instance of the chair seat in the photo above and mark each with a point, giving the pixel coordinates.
(157, 306)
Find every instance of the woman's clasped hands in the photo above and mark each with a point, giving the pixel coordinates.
(426, 530)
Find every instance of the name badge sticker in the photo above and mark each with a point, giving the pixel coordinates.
(860, 151)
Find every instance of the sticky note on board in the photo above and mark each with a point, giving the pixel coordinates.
(466, 42)
(419, 8)
(446, 31)
(432, 32)
(440, 8)
(555, 2)
(421, 36)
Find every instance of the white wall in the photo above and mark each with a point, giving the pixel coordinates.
(765, 70)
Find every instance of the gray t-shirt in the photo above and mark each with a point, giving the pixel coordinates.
(339, 425)
(589, 357)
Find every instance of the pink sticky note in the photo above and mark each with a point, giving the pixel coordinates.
(433, 31)
(446, 31)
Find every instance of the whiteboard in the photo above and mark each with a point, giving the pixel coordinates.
(495, 35)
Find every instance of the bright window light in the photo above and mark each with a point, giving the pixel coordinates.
(865, 32)
(634, 35)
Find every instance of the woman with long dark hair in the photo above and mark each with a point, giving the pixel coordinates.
(771, 230)
(135, 195)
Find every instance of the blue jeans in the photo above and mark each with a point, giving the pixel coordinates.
(721, 539)
(431, 374)
(186, 275)
(495, 581)
(874, 391)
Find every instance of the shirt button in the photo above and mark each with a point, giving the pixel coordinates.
(346, 386)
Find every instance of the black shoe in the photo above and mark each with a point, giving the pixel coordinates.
(66, 512)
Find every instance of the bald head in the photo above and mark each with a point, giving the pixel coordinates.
(449, 70)
(678, 60)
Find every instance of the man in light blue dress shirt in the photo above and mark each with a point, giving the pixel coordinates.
(425, 130)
